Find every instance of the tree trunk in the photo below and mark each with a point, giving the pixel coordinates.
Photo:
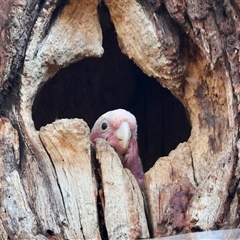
(52, 187)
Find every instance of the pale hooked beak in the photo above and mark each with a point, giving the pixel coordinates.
(123, 134)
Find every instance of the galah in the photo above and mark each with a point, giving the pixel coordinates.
(119, 129)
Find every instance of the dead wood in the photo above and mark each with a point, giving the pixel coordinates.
(48, 189)
(124, 212)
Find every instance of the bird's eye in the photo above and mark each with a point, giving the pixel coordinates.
(104, 126)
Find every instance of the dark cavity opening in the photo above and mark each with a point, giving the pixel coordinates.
(93, 86)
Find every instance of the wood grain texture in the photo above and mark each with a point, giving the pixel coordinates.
(17, 217)
(148, 39)
(68, 144)
(195, 188)
(123, 202)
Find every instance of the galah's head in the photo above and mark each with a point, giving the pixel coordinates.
(117, 127)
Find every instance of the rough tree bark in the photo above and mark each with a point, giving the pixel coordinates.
(51, 186)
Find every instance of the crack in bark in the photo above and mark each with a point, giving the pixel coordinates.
(233, 186)
(193, 168)
(57, 181)
(80, 222)
(100, 204)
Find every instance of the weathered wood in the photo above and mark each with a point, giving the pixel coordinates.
(75, 33)
(17, 17)
(149, 41)
(170, 185)
(68, 144)
(38, 175)
(123, 202)
(208, 97)
(195, 188)
(177, 202)
(17, 218)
